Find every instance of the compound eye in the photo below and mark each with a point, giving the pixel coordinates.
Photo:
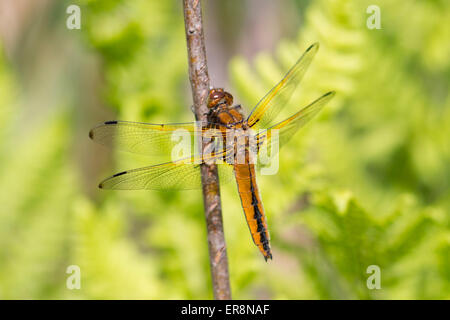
(216, 95)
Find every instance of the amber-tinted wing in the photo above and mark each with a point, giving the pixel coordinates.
(265, 112)
(287, 128)
(147, 138)
(178, 175)
(136, 137)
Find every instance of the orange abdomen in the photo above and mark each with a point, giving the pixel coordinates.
(253, 208)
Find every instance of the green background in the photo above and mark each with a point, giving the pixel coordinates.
(366, 183)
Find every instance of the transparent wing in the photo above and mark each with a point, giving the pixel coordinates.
(287, 128)
(166, 176)
(147, 138)
(142, 138)
(265, 112)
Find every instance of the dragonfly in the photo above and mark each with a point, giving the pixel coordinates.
(222, 117)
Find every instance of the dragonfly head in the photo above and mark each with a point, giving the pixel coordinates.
(218, 96)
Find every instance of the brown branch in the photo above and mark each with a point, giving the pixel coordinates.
(198, 75)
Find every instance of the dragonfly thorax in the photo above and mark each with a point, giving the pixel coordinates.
(221, 112)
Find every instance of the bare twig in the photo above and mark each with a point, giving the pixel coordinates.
(198, 75)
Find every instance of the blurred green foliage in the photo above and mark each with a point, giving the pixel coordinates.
(367, 183)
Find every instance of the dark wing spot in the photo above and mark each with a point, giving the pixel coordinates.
(111, 122)
(256, 121)
(311, 46)
(91, 134)
(119, 174)
(116, 175)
